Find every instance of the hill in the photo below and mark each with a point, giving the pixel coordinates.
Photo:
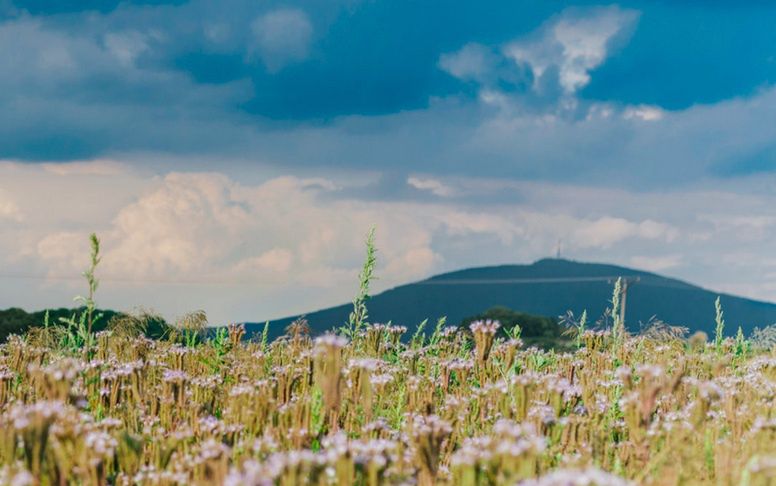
(548, 287)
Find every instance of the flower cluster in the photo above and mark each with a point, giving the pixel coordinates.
(457, 408)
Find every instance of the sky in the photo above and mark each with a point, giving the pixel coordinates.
(232, 155)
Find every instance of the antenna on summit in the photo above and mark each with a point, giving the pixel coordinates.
(558, 248)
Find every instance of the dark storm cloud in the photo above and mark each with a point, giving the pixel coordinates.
(525, 90)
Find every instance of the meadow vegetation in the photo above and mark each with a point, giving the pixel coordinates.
(373, 404)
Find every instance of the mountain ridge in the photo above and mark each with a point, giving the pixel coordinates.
(547, 287)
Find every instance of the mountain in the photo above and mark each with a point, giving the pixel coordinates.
(548, 287)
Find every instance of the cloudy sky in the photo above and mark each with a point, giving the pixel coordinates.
(233, 154)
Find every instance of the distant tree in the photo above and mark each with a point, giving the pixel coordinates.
(18, 321)
(541, 331)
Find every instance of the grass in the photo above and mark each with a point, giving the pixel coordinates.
(463, 407)
(374, 410)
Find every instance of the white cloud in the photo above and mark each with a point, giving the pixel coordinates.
(433, 186)
(303, 233)
(126, 46)
(282, 37)
(656, 263)
(575, 43)
(421, 257)
(63, 252)
(8, 209)
(206, 226)
(276, 260)
(606, 231)
(584, 233)
(249, 250)
(538, 75)
(93, 167)
(473, 62)
(283, 235)
(644, 113)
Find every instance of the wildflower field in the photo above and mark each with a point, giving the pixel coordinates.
(454, 408)
(373, 404)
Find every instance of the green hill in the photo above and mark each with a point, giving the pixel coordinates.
(548, 287)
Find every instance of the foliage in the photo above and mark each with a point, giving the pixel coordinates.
(764, 339)
(659, 331)
(544, 332)
(719, 330)
(18, 321)
(470, 405)
(78, 327)
(359, 315)
(190, 328)
(379, 411)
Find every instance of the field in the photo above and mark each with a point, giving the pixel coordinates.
(370, 404)
(451, 408)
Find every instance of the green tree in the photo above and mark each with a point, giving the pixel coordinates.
(540, 331)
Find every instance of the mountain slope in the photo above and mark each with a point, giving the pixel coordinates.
(547, 287)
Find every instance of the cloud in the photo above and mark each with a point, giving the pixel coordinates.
(546, 68)
(572, 44)
(656, 263)
(433, 186)
(643, 112)
(276, 260)
(282, 37)
(189, 78)
(248, 250)
(206, 226)
(8, 209)
(94, 167)
(606, 231)
(554, 125)
(281, 236)
(473, 62)
(76, 95)
(62, 252)
(69, 95)
(126, 47)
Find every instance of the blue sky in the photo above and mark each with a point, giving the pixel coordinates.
(233, 154)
